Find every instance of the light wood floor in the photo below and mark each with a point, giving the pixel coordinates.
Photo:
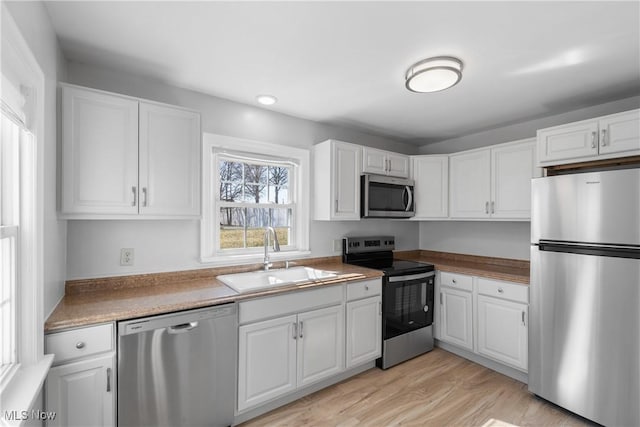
(435, 389)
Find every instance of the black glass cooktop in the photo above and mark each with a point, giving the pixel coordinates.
(397, 267)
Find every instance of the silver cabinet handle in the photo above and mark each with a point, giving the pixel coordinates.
(453, 281)
(493, 205)
(108, 380)
(79, 345)
(500, 290)
(366, 287)
(486, 207)
(594, 135)
(523, 321)
(603, 138)
(380, 308)
(440, 298)
(295, 330)
(301, 326)
(135, 196)
(144, 193)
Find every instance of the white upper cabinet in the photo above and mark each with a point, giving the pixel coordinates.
(169, 155)
(99, 153)
(616, 135)
(385, 163)
(470, 184)
(336, 186)
(493, 182)
(124, 157)
(431, 191)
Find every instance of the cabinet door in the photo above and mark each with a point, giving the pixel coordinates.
(169, 161)
(320, 344)
(573, 141)
(364, 331)
(346, 181)
(512, 167)
(456, 326)
(620, 133)
(266, 360)
(374, 161)
(82, 393)
(470, 184)
(99, 153)
(431, 192)
(397, 165)
(502, 330)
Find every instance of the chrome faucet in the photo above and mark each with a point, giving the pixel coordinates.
(276, 246)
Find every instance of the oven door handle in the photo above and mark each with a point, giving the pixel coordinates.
(407, 189)
(411, 277)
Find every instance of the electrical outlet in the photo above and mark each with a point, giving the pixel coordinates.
(126, 256)
(337, 245)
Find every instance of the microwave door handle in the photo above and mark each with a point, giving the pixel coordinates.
(409, 198)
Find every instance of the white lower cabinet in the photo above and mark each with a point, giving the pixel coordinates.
(502, 330)
(81, 387)
(457, 315)
(364, 322)
(287, 342)
(281, 354)
(484, 316)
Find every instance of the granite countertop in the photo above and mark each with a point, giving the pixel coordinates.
(510, 270)
(93, 301)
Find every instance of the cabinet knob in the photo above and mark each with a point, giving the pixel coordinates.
(500, 290)
(453, 280)
(79, 345)
(366, 287)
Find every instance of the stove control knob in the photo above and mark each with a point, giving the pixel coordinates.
(426, 308)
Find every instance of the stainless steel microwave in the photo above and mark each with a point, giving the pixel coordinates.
(386, 197)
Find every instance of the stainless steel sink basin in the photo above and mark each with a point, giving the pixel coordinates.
(254, 280)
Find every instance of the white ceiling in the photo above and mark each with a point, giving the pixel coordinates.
(344, 62)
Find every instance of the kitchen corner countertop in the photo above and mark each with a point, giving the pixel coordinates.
(510, 270)
(93, 301)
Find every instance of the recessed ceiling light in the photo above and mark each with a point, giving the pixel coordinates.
(266, 99)
(433, 74)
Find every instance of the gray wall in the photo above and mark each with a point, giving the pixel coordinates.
(501, 239)
(94, 246)
(34, 24)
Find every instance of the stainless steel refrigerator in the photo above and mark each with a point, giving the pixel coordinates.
(584, 331)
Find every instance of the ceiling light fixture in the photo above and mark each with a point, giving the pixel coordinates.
(266, 99)
(433, 74)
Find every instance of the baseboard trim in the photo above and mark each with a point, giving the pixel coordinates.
(487, 363)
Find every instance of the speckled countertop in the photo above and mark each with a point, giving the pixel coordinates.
(93, 301)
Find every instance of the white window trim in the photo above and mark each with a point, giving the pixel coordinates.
(19, 390)
(208, 227)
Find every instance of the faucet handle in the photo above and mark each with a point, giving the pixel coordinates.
(286, 263)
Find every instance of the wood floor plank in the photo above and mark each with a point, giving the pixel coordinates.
(435, 389)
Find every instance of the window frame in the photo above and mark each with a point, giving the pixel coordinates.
(23, 382)
(217, 146)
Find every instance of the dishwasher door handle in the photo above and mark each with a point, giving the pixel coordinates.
(184, 327)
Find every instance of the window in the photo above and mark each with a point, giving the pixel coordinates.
(12, 133)
(249, 186)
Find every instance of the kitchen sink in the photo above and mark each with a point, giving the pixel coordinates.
(255, 280)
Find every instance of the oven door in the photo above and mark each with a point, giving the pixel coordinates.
(407, 303)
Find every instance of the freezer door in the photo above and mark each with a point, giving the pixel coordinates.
(584, 334)
(596, 207)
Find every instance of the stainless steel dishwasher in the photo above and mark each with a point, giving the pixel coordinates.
(178, 369)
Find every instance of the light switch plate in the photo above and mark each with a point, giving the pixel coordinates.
(337, 245)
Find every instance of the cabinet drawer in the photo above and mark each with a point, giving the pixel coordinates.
(293, 302)
(364, 289)
(79, 342)
(504, 290)
(455, 280)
